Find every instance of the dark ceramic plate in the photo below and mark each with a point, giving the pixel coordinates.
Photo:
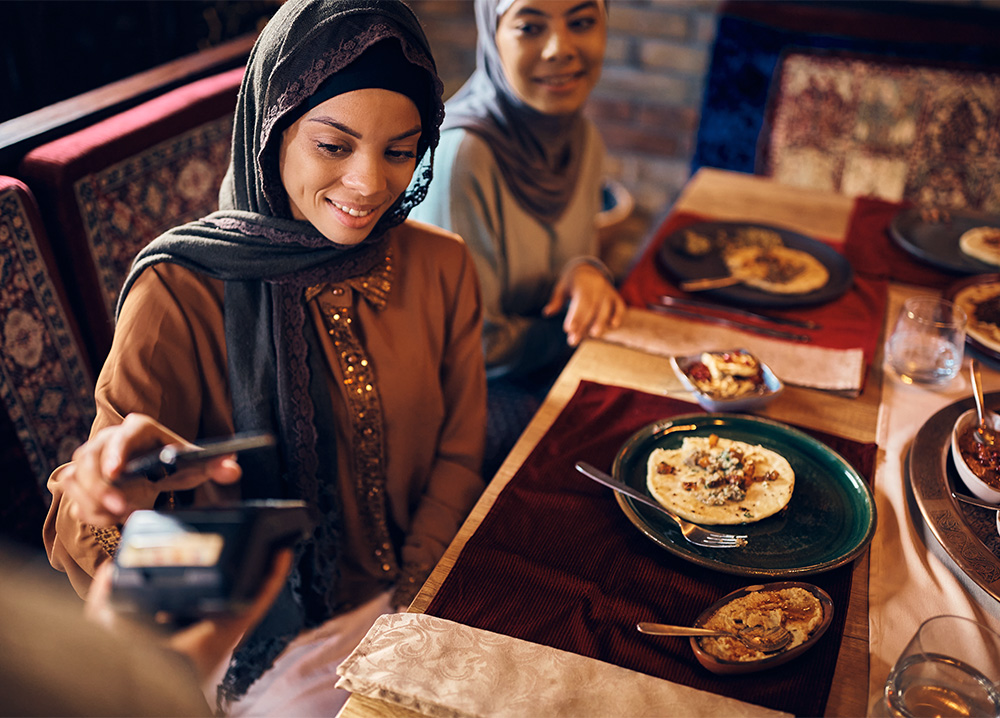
(679, 267)
(829, 521)
(937, 242)
(967, 533)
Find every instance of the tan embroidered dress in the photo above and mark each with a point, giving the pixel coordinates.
(406, 372)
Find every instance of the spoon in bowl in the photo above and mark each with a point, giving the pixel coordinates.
(984, 433)
(756, 638)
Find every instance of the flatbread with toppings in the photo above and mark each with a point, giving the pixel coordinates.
(778, 270)
(982, 243)
(712, 480)
(981, 304)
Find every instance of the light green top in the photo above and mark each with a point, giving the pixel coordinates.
(517, 257)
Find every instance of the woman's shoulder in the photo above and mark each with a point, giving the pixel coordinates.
(466, 150)
(415, 232)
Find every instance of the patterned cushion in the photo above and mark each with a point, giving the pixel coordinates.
(862, 126)
(114, 186)
(46, 385)
(752, 36)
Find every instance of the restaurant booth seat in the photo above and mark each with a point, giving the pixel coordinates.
(861, 125)
(107, 190)
(764, 51)
(46, 382)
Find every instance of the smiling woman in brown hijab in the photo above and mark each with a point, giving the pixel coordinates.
(309, 307)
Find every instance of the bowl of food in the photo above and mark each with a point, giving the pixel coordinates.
(978, 465)
(803, 609)
(730, 380)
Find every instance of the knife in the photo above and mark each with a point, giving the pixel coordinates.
(734, 323)
(698, 304)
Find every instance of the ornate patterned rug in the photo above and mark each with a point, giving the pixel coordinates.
(897, 131)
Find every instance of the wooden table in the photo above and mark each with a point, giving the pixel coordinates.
(722, 195)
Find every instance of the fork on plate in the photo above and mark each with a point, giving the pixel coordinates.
(692, 532)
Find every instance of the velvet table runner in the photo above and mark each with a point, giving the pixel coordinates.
(555, 561)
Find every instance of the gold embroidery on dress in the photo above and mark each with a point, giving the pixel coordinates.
(365, 409)
(108, 537)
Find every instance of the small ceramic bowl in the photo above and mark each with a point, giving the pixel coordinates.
(723, 667)
(977, 486)
(771, 388)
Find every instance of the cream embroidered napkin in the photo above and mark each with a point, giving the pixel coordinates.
(794, 363)
(448, 670)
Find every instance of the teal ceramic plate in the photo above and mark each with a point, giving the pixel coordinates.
(829, 521)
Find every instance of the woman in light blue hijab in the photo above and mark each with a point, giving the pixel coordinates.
(518, 176)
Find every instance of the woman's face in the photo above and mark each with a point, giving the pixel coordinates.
(552, 51)
(345, 161)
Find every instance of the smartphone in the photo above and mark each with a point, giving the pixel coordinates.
(167, 460)
(180, 566)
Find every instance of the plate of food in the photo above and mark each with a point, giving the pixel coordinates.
(967, 533)
(804, 610)
(775, 267)
(732, 380)
(979, 298)
(804, 509)
(959, 241)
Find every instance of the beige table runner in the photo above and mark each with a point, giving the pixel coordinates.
(800, 364)
(446, 669)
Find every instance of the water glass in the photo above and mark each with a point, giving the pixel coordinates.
(949, 668)
(928, 342)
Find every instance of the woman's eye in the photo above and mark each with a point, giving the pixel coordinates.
(331, 149)
(531, 29)
(582, 24)
(401, 155)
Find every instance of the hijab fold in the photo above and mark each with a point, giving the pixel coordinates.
(267, 259)
(539, 155)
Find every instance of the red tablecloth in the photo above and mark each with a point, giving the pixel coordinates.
(556, 562)
(853, 320)
(873, 253)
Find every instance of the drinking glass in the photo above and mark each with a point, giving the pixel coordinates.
(928, 341)
(949, 668)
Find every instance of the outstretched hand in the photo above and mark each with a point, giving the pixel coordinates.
(102, 496)
(594, 304)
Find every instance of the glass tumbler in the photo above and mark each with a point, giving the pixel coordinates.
(928, 341)
(949, 668)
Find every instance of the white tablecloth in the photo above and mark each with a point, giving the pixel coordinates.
(912, 577)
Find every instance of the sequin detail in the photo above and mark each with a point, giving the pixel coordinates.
(107, 537)
(365, 408)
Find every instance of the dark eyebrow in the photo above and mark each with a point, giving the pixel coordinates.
(329, 121)
(586, 5)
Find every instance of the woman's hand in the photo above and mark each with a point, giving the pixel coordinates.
(594, 304)
(94, 482)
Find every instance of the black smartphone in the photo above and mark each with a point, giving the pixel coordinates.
(180, 566)
(170, 459)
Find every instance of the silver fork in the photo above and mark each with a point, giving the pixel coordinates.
(692, 532)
